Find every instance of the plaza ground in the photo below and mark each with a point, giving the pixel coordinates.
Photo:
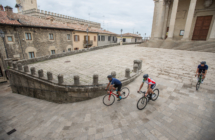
(180, 113)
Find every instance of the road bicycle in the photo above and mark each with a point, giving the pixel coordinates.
(109, 98)
(199, 81)
(142, 102)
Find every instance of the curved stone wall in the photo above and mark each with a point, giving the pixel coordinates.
(32, 83)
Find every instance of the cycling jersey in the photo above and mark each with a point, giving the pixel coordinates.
(149, 81)
(115, 81)
(202, 68)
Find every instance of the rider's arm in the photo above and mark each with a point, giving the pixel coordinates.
(206, 72)
(108, 85)
(197, 71)
(141, 86)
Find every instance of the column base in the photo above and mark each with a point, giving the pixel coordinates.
(211, 39)
(169, 39)
(185, 39)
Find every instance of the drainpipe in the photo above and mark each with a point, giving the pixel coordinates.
(20, 45)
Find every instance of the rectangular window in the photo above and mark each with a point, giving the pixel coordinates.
(76, 38)
(113, 38)
(31, 55)
(51, 37)
(53, 51)
(98, 38)
(68, 37)
(94, 38)
(9, 38)
(28, 36)
(109, 37)
(76, 48)
(69, 50)
(102, 38)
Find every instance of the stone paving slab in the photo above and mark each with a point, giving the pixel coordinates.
(180, 113)
(174, 65)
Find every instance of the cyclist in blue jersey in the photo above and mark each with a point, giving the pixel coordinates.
(202, 68)
(114, 83)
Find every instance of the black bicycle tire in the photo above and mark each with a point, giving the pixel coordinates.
(112, 102)
(128, 92)
(198, 85)
(157, 95)
(139, 101)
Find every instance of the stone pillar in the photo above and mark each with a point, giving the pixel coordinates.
(33, 71)
(166, 19)
(135, 68)
(159, 19)
(26, 69)
(140, 64)
(60, 79)
(189, 20)
(212, 34)
(76, 80)
(127, 73)
(113, 73)
(10, 64)
(14, 65)
(49, 76)
(40, 73)
(172, 19)
(95, 79)
(19, 66)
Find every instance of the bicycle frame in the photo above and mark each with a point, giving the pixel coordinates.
(113, 94)
(200, 77)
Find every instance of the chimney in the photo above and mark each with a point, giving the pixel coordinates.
(9, 11)
(1, 8)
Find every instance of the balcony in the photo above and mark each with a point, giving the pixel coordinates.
(87, 45)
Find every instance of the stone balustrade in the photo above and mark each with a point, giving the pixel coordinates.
(32, 84)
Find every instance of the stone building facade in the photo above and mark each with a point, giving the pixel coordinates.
(130, 38)
(29, 7)
(183, 20)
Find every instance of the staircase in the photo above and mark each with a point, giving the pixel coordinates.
(202, 46)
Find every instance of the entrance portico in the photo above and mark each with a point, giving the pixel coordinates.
(181, 17)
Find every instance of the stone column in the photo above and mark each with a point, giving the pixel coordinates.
(76, 80)
(60, 79)
(113, 73)
(26, 69)
(189, 20)
(14, 65)
(212, 35)
(127, 73)
(159, 20)
(49, 76)
(33, 71)
(95, 79)
(135, 68)
(40, 73)
(172, 19)
(19, 66)
(166, 19)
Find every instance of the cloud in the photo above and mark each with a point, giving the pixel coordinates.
(113, 15)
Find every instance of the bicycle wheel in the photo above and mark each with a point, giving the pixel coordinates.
(156, 94)
(141, 104)
(108, 99)
(124, 92)
(198, 85)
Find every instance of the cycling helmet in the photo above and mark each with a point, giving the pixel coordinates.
(109, 76)
(203, 62)
(145, 76)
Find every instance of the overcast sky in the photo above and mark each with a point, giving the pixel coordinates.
(114, 15)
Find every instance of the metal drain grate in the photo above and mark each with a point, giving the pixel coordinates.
(11, 132)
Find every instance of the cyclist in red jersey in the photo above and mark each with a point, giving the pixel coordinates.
(151, 84)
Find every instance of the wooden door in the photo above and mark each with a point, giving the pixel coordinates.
(202, 27)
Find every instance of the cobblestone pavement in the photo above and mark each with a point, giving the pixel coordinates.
(180, 113)
(163, 62)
